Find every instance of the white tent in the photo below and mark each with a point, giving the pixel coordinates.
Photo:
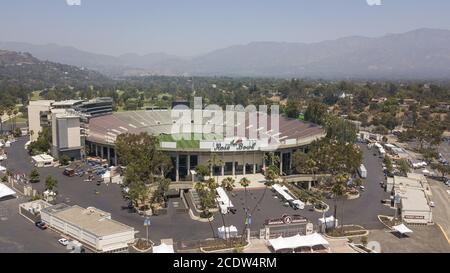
(6, 191)
(230, 232)
(163, 248)
(402, 229)
(2, 169)
(297, 241)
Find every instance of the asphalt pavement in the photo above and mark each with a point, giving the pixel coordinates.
(179, 226)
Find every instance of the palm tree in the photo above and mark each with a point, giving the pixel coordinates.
(15, 112)
(311, 164)
(204, 193)
(2, 112)
(214, 161)
(338, 191)
(228, 185)
(271, 175)
(244, 182)
(9, 112)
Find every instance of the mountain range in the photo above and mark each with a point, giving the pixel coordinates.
(418, 54)
(30, 72)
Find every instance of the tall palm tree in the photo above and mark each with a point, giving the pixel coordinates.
(9, 112)
(338, 191)
(2, 112)
(228, 185)
(244, 182)
(271, 175)
(200, 187)
(15, 112)
(214, 161)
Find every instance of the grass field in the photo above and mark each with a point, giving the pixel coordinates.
(189, 141)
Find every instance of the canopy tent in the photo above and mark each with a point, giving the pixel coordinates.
(6, 191)
(163, 248)
(298, 241)
(402, 229)
(228, 232)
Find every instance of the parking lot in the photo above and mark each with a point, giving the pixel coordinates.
(19, 235)
(424, 239)
(179, 226)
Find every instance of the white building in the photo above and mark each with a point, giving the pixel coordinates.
(92, 227)
(414, 193)
(415, 207)
(43, 160)
(37, 116)
(66, 134)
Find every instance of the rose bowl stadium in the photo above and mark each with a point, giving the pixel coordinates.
(193, 141)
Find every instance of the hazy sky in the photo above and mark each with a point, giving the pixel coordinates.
(191, 27)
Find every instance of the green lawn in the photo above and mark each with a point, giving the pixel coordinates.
(35, 95)
(189, 143)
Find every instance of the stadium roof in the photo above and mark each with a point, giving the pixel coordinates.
(105, 129)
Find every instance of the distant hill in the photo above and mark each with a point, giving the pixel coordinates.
(419, 54)
(23, 68)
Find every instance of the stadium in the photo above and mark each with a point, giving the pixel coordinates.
(189, 146)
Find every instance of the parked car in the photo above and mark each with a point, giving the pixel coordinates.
(69, 172)
(432, 204)
(362, 188)
(63, 241)
(41, 225)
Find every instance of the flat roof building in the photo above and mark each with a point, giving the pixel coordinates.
(92, 227)
(35, 116)
(66, 134)
(415, 207)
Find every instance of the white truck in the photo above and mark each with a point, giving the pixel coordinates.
(362, 171)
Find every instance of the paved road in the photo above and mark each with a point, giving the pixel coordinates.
(441, 198)
(424, 239)
(364, 210)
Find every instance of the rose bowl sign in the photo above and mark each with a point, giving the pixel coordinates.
(287, 220)
(235, 145)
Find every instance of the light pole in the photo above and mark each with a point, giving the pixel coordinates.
(146, 225)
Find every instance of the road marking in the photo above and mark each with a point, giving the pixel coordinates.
(445, 234)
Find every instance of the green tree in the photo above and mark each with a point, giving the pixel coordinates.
(338, 190)
(64, 160)
(388, 163)
(202, 171)
(34, 176)
(145, 166)
(50, 183)
(292, 109)
(441, 168)
(403, 166)
(316, 113)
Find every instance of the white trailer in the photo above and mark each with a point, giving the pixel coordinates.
(362, 171)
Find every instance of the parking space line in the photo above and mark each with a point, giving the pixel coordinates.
(445, 234)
